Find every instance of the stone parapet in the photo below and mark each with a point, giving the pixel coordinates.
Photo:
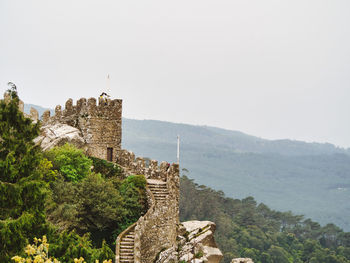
(34, 115)
(100, 125)
(158, 228)
(137, 165)
(111, 110)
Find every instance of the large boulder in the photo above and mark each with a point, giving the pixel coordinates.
(58, 134)
(196, 244)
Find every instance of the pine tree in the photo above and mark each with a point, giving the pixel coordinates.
(22, 192)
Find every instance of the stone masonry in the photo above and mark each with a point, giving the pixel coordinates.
(158, 228)
(100, 125)
(101, 129)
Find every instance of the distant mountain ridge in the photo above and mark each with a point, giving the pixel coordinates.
(228, 140)
(308, 178)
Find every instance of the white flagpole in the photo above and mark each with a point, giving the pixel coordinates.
(178, 149)
(108, 91)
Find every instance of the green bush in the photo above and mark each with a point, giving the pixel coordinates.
(107, 169)
(70, 162)
(22, 190)
(133, 190)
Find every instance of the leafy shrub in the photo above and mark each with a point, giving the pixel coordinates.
(107, 169)
(102, 207)
(133, 190)
(70, 162)
(39, 252)
(22, 190)
(138, 181)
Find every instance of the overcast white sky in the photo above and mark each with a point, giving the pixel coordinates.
(274, 69)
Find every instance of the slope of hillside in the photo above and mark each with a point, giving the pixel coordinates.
(308, 178)
(247, 229)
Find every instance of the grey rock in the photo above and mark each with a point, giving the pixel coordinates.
(59, 134)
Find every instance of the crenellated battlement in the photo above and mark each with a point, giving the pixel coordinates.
(110, 109)
(137, 165)
(100, 126)
(158, 228)
(34, 115)
(99, 122)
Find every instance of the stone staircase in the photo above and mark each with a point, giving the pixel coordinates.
(125, 252)
(127, 247)
(159, 190)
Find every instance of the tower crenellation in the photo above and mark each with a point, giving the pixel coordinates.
(100, 125)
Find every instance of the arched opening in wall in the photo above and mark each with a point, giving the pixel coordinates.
(110, 154)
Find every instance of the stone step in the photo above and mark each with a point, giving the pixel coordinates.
(155, 189)
(157, 185)
(160, 193)
(130, 236)
(126, 250)
(127, 257)
(165, 191)
(127, 243)
(126, 247)
(153, 181)
(127, 260)
(123, 255)
(127, 239)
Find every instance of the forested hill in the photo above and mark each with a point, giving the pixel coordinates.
(225, 140)
(312, 179)
(307, 178)
(248, 229)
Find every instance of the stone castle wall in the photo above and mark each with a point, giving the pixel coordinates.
(34, 115)
(100, 125)
(101, 128)
(158, 228)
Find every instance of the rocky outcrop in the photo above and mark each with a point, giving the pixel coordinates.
(52, 135)
(242, 260)
(196, 243)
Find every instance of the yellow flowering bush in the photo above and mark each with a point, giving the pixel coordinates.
(39, 253)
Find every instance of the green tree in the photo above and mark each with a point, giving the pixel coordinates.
(133, 190)
(278, 255)
(22, 190)
(71, 162)
(106, 169)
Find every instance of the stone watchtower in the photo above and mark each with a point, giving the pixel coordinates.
(101, 128)
(100, 125)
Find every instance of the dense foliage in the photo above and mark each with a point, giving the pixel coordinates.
(101, 207)
(59, 194)
(246, 229)
(70, 162)
(40, 252)
(22, 188)
(107, 169)
(281, 173)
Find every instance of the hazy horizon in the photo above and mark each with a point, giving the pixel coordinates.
(276, 70)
